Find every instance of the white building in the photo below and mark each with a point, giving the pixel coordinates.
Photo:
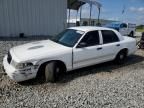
(32, 17)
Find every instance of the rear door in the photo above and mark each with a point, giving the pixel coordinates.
(111, 44)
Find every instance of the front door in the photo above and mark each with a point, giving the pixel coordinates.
(88, 51)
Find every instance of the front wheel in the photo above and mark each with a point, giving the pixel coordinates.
(52, 71)
(121, 57)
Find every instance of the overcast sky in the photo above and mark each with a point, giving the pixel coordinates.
(112, 10)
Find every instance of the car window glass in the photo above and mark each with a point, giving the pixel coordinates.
(68, 37)
(123, 25)
(109, 36)
(91, 38)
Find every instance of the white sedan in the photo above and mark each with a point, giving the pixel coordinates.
(74, 48)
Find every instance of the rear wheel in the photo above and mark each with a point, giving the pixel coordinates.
(121, 57)
(131, 34)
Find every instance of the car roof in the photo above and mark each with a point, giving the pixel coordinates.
(89, 28)
(92, 28)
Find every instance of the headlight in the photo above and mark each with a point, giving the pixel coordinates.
(21, 65)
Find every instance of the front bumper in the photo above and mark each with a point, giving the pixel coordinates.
(18, 75)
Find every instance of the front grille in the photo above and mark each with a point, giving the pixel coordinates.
(9, 58)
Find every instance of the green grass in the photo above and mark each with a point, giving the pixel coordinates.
(140, 30)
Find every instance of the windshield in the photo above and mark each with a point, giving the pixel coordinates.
(69, 37)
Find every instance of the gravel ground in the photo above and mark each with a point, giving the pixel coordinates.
(102, 86)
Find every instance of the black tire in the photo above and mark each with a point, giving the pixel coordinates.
(131, 34)
(121, 57)
(52, 71)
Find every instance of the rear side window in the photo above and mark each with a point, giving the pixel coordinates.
(109, 36)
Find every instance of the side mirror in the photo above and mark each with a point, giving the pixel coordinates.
(81, 45)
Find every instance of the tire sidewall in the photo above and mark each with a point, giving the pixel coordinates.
(131, 34)
(50, 72)
(120, 59)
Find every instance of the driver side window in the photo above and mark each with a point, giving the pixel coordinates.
(91, 39)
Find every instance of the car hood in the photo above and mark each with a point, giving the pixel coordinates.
(38, 50)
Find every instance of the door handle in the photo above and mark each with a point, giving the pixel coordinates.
(100, 48)
(118, 45)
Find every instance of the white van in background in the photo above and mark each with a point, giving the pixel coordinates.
(126, 29)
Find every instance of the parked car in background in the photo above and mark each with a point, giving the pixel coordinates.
(74, 48)
(126, 29)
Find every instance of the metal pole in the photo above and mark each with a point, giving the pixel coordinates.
(77, 18)
(69, 19)
(76, 15)
(90, 13)
(80, 13)
(99, 16)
